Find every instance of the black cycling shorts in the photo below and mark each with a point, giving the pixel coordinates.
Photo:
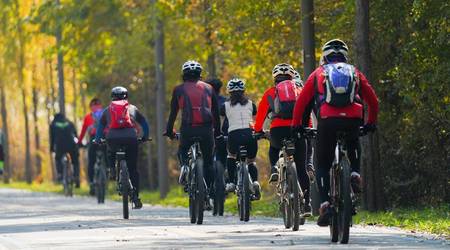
(242, 137)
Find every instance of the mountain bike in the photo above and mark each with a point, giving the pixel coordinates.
(124, 186)
(218, 188)
(100, 175)
(245, 190)
(68, 176)
(195, 184)
(342, 196)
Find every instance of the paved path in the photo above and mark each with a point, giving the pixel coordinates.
(49, 221)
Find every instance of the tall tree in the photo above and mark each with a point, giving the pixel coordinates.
(61, 92)
(211, 61)
(373, 188)
(50, 106)
(309, 58)
(37, 139)
(163, 172)
(5, 130)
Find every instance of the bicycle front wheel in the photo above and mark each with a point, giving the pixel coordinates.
(125, 188)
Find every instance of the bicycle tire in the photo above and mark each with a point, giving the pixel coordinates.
(201, 191)
(294, 187)
(287, 214)
(125, 189)
(345, 211)
(334, 227)
(219, 190)
(100, 187)
(246, 194)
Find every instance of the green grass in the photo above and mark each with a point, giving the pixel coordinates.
(429, 220)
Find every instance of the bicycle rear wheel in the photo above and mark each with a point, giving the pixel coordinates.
(334, 189)
(245, 194)
(219, 189)
(345, 202)
(294, 188)
(125, 189)
(201, 191)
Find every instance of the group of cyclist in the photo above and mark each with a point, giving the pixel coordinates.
(335, 91)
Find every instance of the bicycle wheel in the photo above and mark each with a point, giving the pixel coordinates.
(219, 189)
(125, 189)
(345, 202)
(100, 185)
(245, 194)
(287, 213)
(294, 188)
(334, 190)
(201, 191)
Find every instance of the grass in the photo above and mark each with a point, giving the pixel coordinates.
(428, 220)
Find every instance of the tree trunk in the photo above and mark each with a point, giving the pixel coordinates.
(5, 130)
(211, 61)
(373, 198)
(50, 100)
(37, 139)
(309, 64)
(61, 92)
(309, 59)
(163, 173)
(75, 94)
(151, 171)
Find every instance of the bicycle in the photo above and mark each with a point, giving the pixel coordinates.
(342, 197)
(195, 185)
(244, 190)
(292, 201)
(100, 176)
(124, 186)
(68, 177)
(218, 188)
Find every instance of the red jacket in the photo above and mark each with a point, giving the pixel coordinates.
(354, 110)
(263, 111)
(88, 125)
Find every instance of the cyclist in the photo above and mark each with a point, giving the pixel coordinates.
(279, 100)
(120, 118)
(63, 140)
(339, 107)
(221, 145)
(89, 124)
(239, 111)
(200, 118)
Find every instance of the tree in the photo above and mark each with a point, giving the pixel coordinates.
(163, 172)
(5, 130)
(309, 58)
(60, 56)
(373, 192)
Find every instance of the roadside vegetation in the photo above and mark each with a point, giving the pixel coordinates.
(434, 220)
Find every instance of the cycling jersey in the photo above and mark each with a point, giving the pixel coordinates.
(239, 116)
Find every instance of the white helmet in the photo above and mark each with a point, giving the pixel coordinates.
(297, 79)
(191, 65)
(336, 46)
(235, 84)
(283, 69)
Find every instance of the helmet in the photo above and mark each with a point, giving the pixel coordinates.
(215, 83)
(283, 69)
(191, 66)
(94, 101)
(119, 93)
(334, 47)
(297, 79)
(235, 84)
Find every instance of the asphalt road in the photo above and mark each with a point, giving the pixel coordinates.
(48, 221)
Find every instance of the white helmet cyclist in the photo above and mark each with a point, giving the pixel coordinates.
(235, 84)
(283, 69)
(297, 79)
(191, 65)
(333, 48)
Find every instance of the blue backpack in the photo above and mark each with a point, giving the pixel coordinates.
(340, 84)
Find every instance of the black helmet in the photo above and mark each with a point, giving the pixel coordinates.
(215, 83)
(119, 93)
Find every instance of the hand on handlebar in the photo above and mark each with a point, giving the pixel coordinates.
(368, 128)
(171, 135)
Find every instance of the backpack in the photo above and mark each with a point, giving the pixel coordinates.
(286, 94)
(120, 115)
(196, 104)
(340, 84)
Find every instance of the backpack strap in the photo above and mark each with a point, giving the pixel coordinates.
(317, 102)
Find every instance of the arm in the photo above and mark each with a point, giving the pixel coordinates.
(144, 124)
(369, 96)
(222, 110)
(215, 113)
(263, 110)
(83, 129)
(173, 112)
(304, 100)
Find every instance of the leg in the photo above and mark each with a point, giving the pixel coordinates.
(326, 143)
(252, 150)
(59, 167)
(92, 149)
(207, 148)
(300, 163)
(131, 159)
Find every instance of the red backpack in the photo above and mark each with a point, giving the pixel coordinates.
(286, 94)
(119, 114)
